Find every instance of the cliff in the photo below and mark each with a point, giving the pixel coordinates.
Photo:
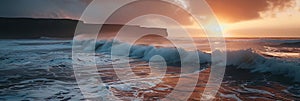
(30, 28)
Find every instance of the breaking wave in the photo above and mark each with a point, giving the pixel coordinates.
(242, 59)
(250, 59)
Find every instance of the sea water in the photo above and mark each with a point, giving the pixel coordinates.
(42, 69)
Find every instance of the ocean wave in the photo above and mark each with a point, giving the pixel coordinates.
(291, 44)
(172, 56)
(250, 59)
(242, 59)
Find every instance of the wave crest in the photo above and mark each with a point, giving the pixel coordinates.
(242, 59)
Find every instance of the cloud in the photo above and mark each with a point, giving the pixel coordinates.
(226, 10)
(43, 8)
(240, 10)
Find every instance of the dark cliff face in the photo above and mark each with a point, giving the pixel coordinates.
(29, 28)
(36, 28)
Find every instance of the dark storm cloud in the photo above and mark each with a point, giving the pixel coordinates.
(239, 10)
(42, 8)
(226, 10)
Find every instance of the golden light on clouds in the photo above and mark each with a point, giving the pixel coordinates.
(273, 23)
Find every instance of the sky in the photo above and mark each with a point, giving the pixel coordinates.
(238, 18)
